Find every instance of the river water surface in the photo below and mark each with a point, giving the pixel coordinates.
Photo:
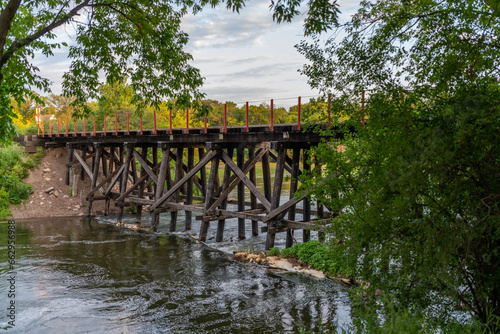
(76, 275)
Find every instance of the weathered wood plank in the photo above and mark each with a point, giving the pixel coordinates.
(225, 181)
(235, 180)
(294, 182)
(214, 170)
(278, 183)
(164, 166)
(94, 177)
(240, 157)
(87, 169)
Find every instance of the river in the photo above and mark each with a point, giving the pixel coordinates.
(75, 275)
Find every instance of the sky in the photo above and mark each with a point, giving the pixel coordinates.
(243, 57)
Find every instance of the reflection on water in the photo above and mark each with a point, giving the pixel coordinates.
(79, 276)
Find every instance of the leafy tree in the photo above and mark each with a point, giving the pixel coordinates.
(115, 97)
(419, 184)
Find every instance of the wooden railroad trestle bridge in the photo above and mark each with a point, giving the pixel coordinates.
(167, 182)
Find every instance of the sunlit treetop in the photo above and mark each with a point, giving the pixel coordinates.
(409, 44)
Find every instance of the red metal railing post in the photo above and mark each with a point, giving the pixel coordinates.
(85, 127)
(75, 126)
(272, 116)
(58, 134)
(104, 124)
(170, 120)
(205, 123)
(141, 126)
(66, 127)
(329, 112)
(246, 116)
(116, 124)
(298, 114)
(154, 121)
(43, 128)
(225, 118)
(128, 124)
(50, 128)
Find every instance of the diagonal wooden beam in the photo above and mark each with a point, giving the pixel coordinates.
(246, 180)
(179, 184)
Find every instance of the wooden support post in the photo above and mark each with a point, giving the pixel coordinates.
(214, 170)
(306, 234)
(294, 182)
(104, 163)
(124, 180)
(94, 177)
(275, 201)
(225, 182)
(203, 173)
(189, 190)
(155, 156)
(69, 161)
(138, 214)
(253, 198)
(240, 157)
(84, 155)
(319, 206)
(162, 174)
